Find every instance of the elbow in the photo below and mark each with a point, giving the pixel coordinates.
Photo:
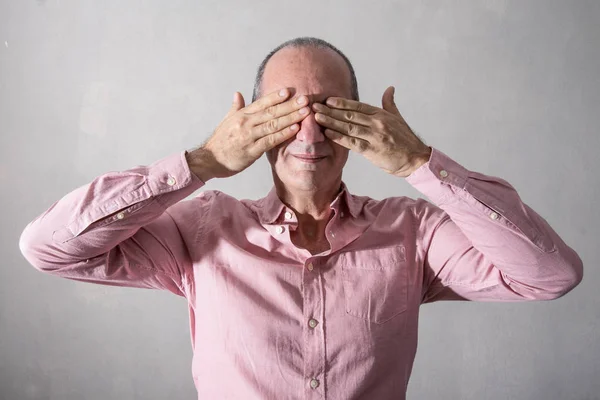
(576, 275)
(572, 278)
(35, 251)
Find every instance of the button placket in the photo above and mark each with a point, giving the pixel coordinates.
(312, 294)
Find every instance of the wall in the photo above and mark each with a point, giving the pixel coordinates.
(507, 88)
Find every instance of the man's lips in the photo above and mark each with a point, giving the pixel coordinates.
(308, 157)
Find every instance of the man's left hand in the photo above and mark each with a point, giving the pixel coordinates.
(381, 135)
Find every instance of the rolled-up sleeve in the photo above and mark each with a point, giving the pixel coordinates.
(117, 230)
(481, 242)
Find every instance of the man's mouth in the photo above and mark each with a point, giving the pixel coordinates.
(309, 158)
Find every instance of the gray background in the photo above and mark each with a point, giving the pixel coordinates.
(506, 88)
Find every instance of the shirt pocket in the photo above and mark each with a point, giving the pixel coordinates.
(375, 283)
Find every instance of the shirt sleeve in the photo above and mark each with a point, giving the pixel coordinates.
(481, 242)
(117, 230)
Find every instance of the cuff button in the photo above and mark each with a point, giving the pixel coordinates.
(171, 181)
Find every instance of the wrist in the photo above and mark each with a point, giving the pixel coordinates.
(200, 162)
(420, 159)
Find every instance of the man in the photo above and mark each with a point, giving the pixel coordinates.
(310, 292)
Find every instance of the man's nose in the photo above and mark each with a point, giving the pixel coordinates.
(310, 130)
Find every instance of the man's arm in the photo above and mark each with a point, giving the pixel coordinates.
(482, 243)
(116, 230)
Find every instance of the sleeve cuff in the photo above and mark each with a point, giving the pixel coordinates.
(438, 178)
(172, 173)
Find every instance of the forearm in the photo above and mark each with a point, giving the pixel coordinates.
(96, 217)
(533, 259)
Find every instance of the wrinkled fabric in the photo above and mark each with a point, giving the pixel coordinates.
(269, 320)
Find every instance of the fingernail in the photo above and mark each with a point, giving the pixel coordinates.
(303, 111)
(301, 99)
(282, 92)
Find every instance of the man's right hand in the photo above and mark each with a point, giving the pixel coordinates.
(246, 133)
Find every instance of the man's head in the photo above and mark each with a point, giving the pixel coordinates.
(318, 70)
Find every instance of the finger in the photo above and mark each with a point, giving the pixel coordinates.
(387, 101)
(238, 104)
(277, 124)
(269, 100)
(268, 142)
(278, 110)
(349, 142)
(344, 115)
(347, 128)
(347, 104)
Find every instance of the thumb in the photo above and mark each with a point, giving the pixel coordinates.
(388, 101)
(238, 103)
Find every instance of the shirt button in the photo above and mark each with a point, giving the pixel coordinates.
(310, 266)
(120, 215)
(313, 322)
(288, 215)
(342, 214)
(443, 173)
(171, 181)
(494, 215)
(314, 383)
(280, 229)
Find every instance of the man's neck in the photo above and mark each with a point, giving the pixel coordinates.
(311, 205)
(312, 208)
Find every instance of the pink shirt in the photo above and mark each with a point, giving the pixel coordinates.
(271, 321)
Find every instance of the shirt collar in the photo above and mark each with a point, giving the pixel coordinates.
(270, 207)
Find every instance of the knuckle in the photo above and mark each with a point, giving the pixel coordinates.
(272, 125)
(272, 141)
(271, 111)
(349, 115)
(239, 124)
(352, 129)
(387, 140)
(361, 145)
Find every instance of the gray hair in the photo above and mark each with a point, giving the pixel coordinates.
(304, 42)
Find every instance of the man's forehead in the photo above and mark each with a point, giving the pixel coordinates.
(317, 92)
(316, 73)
